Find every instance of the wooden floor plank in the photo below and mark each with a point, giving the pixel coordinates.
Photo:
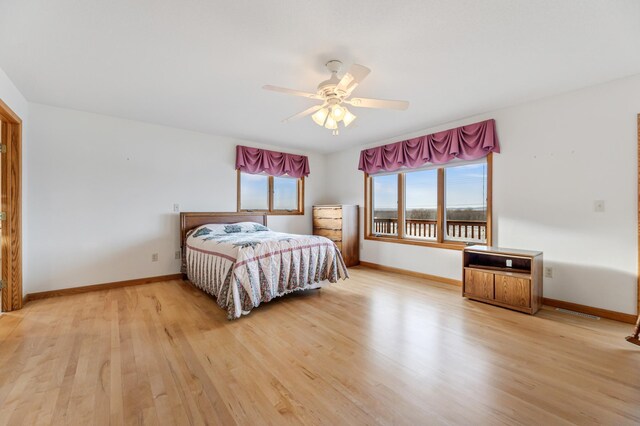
(380, 348)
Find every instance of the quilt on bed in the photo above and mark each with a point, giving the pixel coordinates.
(245, 264)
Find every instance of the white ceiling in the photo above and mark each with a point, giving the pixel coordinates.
(200, 65)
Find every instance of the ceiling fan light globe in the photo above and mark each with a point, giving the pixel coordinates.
(337, 112)
(331, 124)
(320, 116)
(348, 118)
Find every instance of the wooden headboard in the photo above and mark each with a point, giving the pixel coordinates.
(190, 220)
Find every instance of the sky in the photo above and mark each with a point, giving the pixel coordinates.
(465, 186)
(255, 188)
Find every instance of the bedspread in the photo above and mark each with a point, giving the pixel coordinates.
(243, 269)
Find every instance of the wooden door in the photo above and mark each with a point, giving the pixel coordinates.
(513, 291)
(478, 283)
(11, 197)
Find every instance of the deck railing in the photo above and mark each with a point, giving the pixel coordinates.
(426, 228)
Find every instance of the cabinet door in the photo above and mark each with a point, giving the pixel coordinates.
(478, 283)
(513, 291)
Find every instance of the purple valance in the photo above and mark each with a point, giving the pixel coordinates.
(255, 160)
(468, 142)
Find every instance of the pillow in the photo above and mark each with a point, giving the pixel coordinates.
(232, 228)
(245, 227)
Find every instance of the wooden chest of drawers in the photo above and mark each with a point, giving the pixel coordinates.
(339, 223)
(504, 277)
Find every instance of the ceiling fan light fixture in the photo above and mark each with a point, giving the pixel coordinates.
(337, 112)
(335, 95)
(331, 124)
(348, 117)
(320, 116)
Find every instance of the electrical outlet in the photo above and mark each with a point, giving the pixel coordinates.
(178, 254)
(509, 263)
(548, 272)
(154, 257)
(176, 208)
(598, 206)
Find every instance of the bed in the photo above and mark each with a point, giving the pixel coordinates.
(238, 260)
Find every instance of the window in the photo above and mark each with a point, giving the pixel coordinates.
(465, 202)
(254, 192)
(271, 194)
(447, 206)
(385, 204)
(421, 204)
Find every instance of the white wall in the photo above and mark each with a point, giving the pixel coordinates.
(102, 191)
(558, 156)
(12, 97)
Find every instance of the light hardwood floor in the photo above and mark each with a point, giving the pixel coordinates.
(380, 348)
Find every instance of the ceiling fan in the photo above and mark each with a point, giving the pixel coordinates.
(335, 94)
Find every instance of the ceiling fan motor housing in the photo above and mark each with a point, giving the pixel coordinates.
(334, 66)
(327, 89)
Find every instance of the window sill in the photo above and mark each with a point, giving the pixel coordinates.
(449, 245)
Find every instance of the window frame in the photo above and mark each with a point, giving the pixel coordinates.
(271, 211)
(440, 241)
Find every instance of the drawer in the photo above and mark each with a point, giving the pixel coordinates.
(327, 223)
(332, 234)
(478, 283)
(327, 212)
(513, 291)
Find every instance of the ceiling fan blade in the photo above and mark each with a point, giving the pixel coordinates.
(292, 92)
(378, 103)
(353, 77)
(304, 113)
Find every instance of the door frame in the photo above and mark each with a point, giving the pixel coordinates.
(11, 204)
(638, 192)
